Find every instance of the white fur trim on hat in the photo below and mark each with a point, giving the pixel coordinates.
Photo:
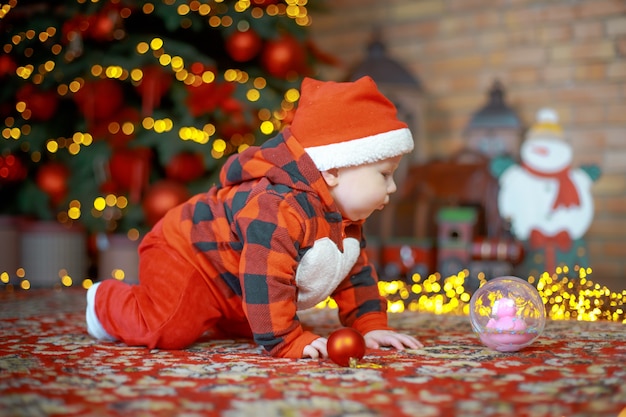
(342, 124)
(363, 150)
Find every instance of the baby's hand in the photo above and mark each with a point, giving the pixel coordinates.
(316, 350)
(378, 338)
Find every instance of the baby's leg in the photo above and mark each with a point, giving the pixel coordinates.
(169, 309)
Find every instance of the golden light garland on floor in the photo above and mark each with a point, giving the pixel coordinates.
(565, 298)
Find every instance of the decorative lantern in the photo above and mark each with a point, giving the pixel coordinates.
(495, 129)
(398, 85)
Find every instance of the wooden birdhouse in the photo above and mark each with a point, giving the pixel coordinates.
(455, 234)
(456, 225)
(495, 129)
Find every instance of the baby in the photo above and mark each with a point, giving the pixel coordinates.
(279, 233)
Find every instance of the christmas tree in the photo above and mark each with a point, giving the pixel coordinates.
(115, 111)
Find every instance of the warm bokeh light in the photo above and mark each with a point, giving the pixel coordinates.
(565, 298)
(165, 55)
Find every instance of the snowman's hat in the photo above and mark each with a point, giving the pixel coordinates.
(546, 126)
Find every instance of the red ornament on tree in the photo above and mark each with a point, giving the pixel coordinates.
(42, 104)
(264, 3)
(12, 169)
(160, 198)
(7, 65)
(198, 68)
(123, 137)
(100, 100)
(233, 125)
(52, 179)
(109, 187)
(185, 167)
(243, 46)
(206, 97)
(346, 347)
(102, 25)
(129, 169)
(284, 56)
(119, 138)
(154, 84)
(75, 27)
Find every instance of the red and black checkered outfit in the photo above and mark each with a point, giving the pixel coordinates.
(244, 257)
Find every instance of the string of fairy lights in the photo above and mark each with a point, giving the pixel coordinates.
(270, 120)
(565, 298)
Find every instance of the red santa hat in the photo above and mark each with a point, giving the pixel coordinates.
(341, 124)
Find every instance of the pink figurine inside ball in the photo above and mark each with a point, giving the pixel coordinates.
(507, 313)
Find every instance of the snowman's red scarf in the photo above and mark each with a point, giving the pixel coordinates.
(567, 194)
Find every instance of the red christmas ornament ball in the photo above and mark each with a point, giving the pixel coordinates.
(345, 345)
(283, 57)
(160, 198)
(119, 139)
(7, 65)
(77, 26)
(12, 169)
(109, 187)
(42, 104)
(185, 167)
(264, 3)
(243, 46)
(154, 84)
(100, 99)
(52, 179)
(102, 25)
(130, 168)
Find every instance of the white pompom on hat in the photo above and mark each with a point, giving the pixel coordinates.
(342, 124)
(546, 126)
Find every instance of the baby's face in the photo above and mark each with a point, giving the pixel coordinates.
(360, 190)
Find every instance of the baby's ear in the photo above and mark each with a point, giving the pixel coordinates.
(330, 176)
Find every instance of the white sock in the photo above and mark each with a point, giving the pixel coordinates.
(94, 327)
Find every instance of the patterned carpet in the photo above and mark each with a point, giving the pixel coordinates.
(50, 367)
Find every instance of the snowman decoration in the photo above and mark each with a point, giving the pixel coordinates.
(548, 202)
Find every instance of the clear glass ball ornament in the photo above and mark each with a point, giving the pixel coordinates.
(507, 314)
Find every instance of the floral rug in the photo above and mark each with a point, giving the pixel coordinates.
(49, 366)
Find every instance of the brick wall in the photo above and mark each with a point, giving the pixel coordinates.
(566, 54)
